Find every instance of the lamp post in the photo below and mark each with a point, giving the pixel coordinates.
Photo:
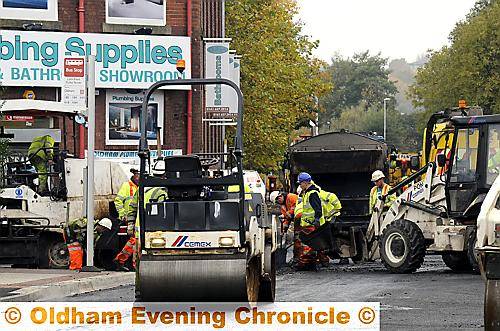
(385, 118)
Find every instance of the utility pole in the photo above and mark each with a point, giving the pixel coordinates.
(90, 163)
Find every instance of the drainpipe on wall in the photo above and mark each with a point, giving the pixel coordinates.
(190, 92)
(81, 29)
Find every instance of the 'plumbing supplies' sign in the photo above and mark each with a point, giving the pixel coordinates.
(30, 58)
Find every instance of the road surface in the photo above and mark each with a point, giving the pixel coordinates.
(434, 298)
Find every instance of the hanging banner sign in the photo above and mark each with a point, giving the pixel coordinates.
(232, 97)
(31, 58)
(234, 68)
(217, 66)
(237, 70)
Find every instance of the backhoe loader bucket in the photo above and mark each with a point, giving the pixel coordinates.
(321, 239)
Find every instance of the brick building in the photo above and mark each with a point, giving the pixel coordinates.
(110, 23)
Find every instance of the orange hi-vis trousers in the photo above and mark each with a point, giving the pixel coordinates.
(307, 255)
(75, 255)
(127, 251)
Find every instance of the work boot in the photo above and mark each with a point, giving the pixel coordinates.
(119, 266)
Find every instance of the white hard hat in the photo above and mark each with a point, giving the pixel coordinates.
(377, 174)
(274, 195)
(299, 190)
(106, 222)
(158, 168)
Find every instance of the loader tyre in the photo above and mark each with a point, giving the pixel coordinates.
(402, 247)
(471, 255)
(492, 305)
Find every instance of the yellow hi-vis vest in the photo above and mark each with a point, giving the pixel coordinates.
(123, 198)
(494, 161)
(331, 204)
(374, 194)
(299, 207)
(42, 142)
(307, 218)
(78, 230)
(155, 193)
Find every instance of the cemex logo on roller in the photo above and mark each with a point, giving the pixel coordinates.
(182, 241)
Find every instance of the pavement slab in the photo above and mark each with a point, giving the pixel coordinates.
(42, 285)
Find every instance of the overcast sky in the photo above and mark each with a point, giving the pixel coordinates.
(397, 28)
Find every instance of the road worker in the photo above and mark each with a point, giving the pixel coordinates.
(297, 244)
(314, 198)
(493, 156)
(287, 203)
(125, 194)
(152, 194)
(41, 154)
(122, 202)
(77, 238)
(311, 218)
(380, 189)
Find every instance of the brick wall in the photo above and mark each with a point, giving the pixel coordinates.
(212, 28)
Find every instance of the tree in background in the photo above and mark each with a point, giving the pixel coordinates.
(469, 68)
(402, 74)
(361, 84)
(360, 80)
(401, 128)
(279, 77)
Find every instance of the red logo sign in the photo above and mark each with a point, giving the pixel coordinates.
(74, 67)
(15, 118)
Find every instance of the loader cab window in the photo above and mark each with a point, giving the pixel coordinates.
(493, 153)
(465, 158)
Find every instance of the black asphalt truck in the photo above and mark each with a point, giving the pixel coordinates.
(342, 163)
